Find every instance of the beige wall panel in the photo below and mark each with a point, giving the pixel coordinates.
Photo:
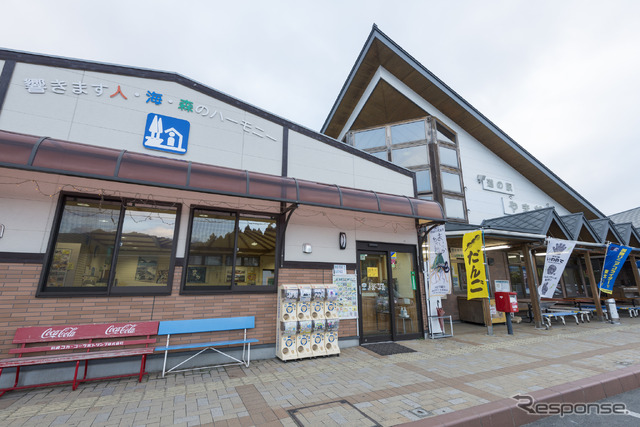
(370, 176)
(219, 134)
(321, 227)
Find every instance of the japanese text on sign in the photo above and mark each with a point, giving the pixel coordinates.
(474, 263)
(60, 87)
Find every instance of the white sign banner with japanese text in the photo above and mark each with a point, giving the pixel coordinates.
(513, 206)
(439, 266)
(558, 252)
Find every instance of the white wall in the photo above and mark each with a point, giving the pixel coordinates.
(232, 138)
(313, 160)
(321, 227)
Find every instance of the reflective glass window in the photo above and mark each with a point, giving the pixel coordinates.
(228, 250)
(451, 182)
(408, 132)
(144, 256)
(110, 246)
(454, 208)
(370, 138)
(423, 179)
(411, 156)
(381, 155)
(445, 135)
(83, 251)
(448, 157)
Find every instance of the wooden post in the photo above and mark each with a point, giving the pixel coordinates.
(636, 273)
(594, 287)
(532, 274)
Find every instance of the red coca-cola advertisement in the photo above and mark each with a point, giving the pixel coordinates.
(80, 332)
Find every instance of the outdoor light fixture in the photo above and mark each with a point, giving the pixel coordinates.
(495, 248)
(306, 248)
(342, 240)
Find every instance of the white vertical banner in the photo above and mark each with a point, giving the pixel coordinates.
(438, 265)
(558, 252)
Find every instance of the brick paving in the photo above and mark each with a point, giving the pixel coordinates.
(452, 380)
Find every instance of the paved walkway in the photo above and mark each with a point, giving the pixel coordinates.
(471, 374)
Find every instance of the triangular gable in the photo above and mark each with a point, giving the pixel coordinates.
(382, 55)
(631, 215)
(542, 221)
(629, 234)
(606, 231)
(580, 228)
(635, 238)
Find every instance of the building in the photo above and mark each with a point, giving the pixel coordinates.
(396, 109)
(130, 194)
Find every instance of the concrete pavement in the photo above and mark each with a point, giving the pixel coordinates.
(468, 379)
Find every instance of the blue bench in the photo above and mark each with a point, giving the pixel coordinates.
(197, 326)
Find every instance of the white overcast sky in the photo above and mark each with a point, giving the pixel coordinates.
(560, 77)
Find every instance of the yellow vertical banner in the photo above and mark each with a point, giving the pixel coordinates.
(474, 263)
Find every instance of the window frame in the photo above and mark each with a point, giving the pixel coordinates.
(232, 288)
(111, 290)
(445, 130)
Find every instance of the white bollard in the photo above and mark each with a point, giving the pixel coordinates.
(613, 311)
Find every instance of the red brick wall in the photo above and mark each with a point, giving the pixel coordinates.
(19, 307)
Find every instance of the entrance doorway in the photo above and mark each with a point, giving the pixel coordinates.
(388, 292)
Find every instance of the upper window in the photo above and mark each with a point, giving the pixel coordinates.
(445, 135)
(408, 132)
(448, 156)
(411, 156)
(370, 138)
(111, 247)
(230, 251)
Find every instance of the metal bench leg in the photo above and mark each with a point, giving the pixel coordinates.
(576, 317)
(164, 366)
(17, 376)
(248, 354)
(75, 376)
(5, 390)
(143, 364)
(563, 322)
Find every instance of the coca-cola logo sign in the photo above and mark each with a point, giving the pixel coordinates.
(129, 328)
(59, 333)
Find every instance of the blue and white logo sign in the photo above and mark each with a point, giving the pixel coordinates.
(166, 133)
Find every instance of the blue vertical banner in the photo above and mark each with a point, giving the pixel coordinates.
(613, 261)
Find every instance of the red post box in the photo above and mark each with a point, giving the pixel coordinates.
(507, 302)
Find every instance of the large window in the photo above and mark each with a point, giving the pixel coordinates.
(230, 251)
(450, 174)
(426, 147)
(111, 247)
